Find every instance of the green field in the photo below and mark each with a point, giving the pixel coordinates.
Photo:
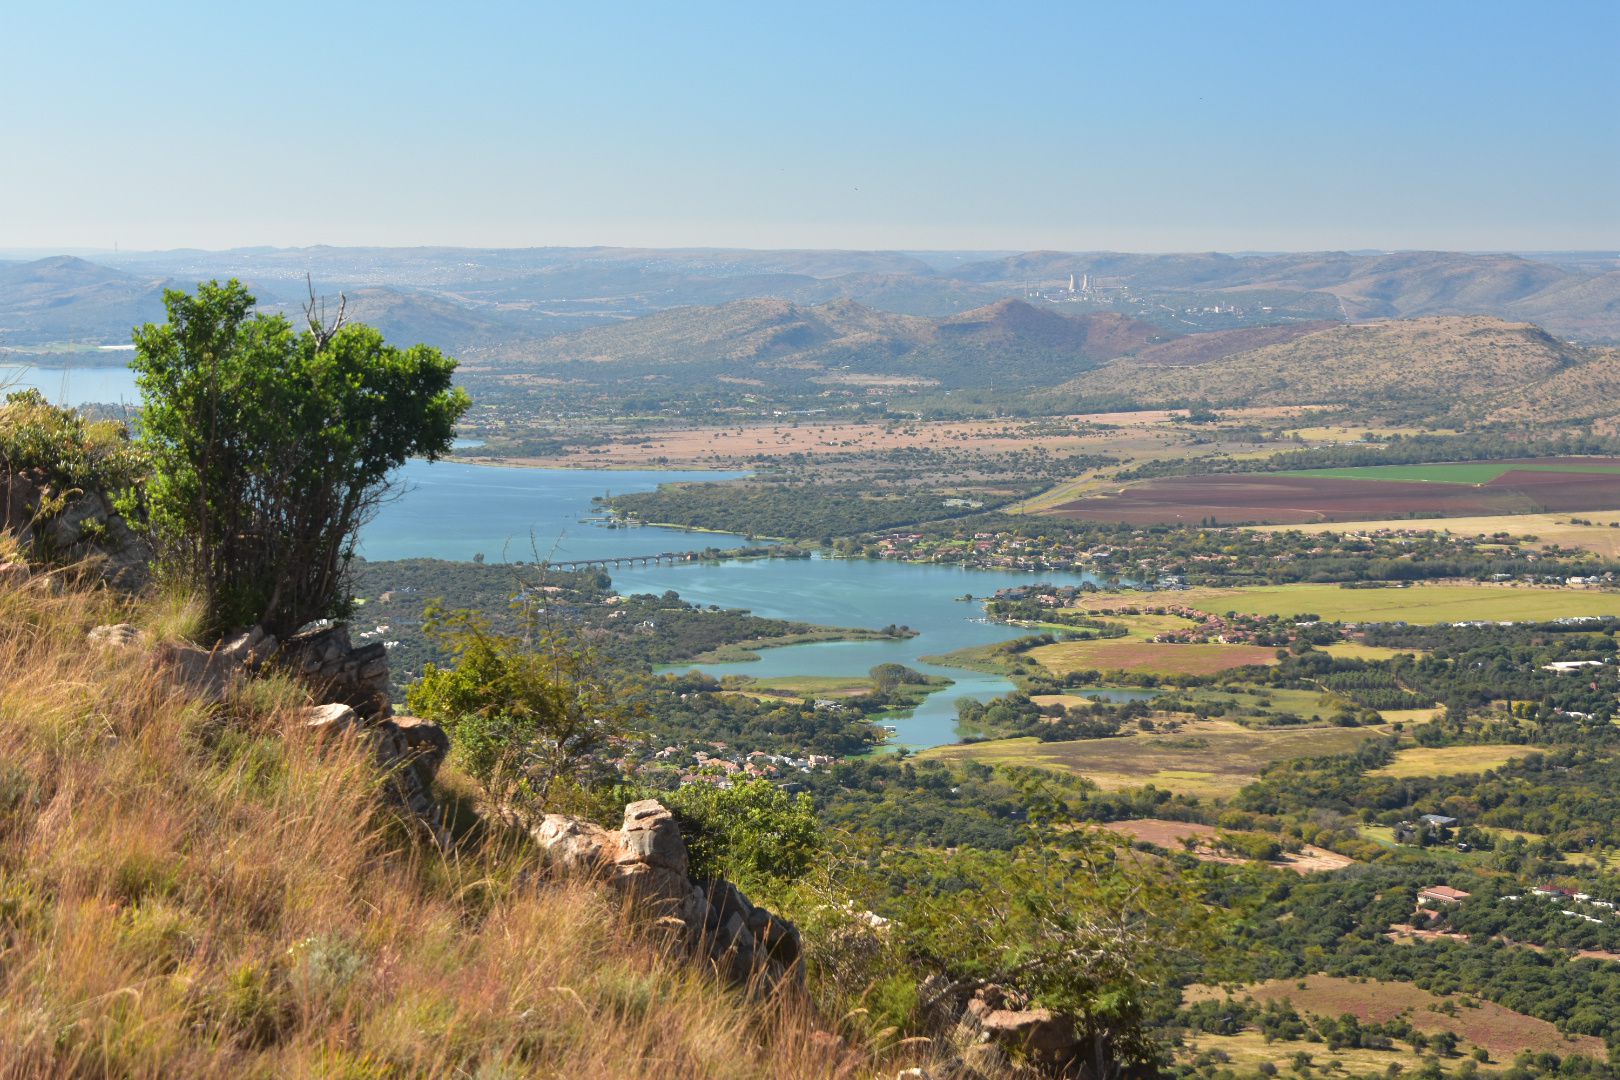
(826, 686)
(1204, 758)
(1450, 760)
(1454, 472)
(1253, 705)
(1416, 604)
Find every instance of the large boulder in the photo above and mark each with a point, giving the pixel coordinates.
(408, 751)
(647, 861)
(1003, 1023)
(325, 660)
(651, 837)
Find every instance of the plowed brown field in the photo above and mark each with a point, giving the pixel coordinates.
(1296, 500)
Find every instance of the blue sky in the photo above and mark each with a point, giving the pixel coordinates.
(1142, 126)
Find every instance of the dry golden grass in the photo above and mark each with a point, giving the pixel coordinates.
(1205, 758)
(200, 892)
(1124, 654)
(1131, 436)
(1602, 536)
(1499, 1030)
(1450, 760)
(1430, 602)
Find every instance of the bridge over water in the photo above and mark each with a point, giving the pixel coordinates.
(670, 557)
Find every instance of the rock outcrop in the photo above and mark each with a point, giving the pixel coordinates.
(323, 660)
(408, 752)
(326, 662)
(647, 861)
(209, 673)
(71, 525)
(1000, 1030)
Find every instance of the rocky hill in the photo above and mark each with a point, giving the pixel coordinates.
(203, 882)
(1425, 366)
(66, 299)
(786, 343)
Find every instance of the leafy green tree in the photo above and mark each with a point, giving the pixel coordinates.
(748, 833)
(890, 677)
(271, 447)
(1079, 929)
(524, 720)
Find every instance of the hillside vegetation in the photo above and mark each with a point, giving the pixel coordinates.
(1429, 366)
(196, 891)
(782, 343)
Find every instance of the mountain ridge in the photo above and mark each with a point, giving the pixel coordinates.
(1434, 364)
(778, 337)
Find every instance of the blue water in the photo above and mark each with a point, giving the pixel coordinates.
(73, 385)
(857, 592)
(452, 510)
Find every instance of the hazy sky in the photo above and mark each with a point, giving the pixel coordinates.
(1295, 124)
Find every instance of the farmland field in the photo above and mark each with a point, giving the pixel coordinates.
(1602, 536)
(1470, 472)
(1355, 650)
(1206, 758)
(1169, 835)
(1499, 1030)
(1449, 760)
(1429, 603)
(1162, 659)
(1376, 492)
(1253, 702)
(1460, 472)
(1248, 1051)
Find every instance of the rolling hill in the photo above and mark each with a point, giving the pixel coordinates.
(491, 305)
(67, 299)
(1590, 391)
(1008, 342)
(1204, 348)
(1566, 299)
(1425, 366)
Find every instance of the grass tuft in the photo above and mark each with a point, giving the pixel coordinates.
(200, 891)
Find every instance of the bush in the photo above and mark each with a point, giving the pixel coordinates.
(524, 720)
(748, 833)
(270, 448)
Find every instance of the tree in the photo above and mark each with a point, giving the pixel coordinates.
(271, 447)
(749, 833)
(525, 721)
(890, 677)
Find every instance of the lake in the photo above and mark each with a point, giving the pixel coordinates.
(73, 385)
(857, 592)
(450, 510)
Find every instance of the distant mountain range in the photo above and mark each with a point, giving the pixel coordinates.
(498, 304)
(787, 345)
(65, 299)
(1435, 367)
